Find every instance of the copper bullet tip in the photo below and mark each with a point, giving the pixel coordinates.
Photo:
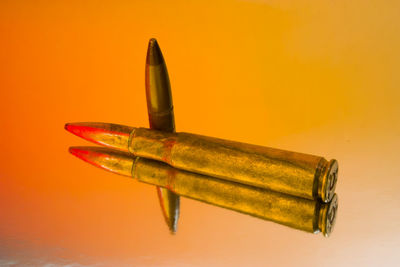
(107, 159)
(107, 134)
(154, 55)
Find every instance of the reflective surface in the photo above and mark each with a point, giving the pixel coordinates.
(318, 77)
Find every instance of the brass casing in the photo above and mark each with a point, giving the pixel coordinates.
(304, 214)
(292, 173)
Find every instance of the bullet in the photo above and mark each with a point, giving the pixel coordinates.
(292, 173)
(161, 117)
(299, 213)
(158, 90)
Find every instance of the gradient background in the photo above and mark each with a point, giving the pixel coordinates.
(320, 77)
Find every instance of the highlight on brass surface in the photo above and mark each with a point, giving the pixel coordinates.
(304, 214)
(161, 117)
(292, 173)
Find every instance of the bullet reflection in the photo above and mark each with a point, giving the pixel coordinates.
(304, 214)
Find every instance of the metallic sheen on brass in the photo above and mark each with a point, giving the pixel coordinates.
(161, 117)
(283, 171)
(304, 214)
(288, 172)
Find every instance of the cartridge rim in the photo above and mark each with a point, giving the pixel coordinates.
(328, 215)
(328, 181)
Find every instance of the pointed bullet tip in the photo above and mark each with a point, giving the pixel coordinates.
(73, 150)
(108, 159)
(106, 134)
(72, 128)
(79, 152)
(172, 231)
(152, 42)
(154, 55)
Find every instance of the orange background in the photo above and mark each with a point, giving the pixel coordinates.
(320, 77)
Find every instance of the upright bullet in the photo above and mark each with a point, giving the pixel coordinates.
(304, 214)
(161, 117)
(158, 90)
(292, 173)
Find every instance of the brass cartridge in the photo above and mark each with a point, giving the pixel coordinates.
(161, 117)
(292, 173)
(304, 214)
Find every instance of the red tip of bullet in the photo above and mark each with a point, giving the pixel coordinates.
(88, 154)
(87, 131)
(111, 160)
(79, 152)
(107, 134)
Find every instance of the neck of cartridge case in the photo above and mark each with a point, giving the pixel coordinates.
(152, 144)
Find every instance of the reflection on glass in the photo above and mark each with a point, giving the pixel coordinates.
(299, 213)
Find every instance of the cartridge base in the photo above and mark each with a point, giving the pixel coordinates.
(327, 216)
(327, 180)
